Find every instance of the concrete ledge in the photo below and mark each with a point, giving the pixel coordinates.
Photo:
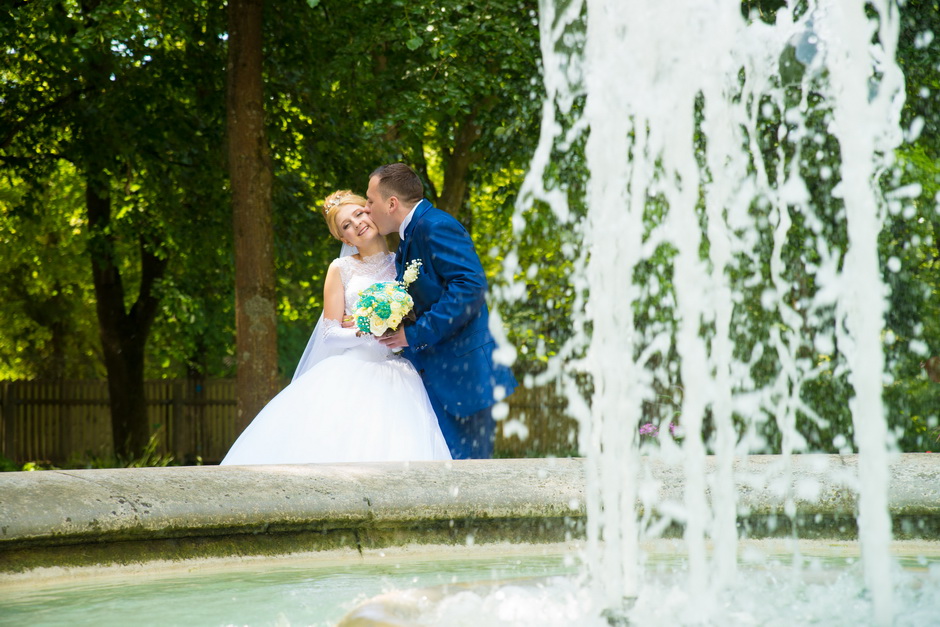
(83, 517)
(815, 496)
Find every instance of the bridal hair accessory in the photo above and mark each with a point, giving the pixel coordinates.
(333, 202)
(383, 306)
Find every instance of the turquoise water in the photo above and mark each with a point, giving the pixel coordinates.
(821, 584)
(536, 586)
(311, 593)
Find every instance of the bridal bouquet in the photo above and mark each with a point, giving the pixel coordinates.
(383, 306)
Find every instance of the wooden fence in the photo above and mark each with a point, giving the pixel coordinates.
(67, 423)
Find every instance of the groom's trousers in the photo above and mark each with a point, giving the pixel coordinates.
(467, 437)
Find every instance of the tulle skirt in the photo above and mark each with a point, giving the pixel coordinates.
(364, 405)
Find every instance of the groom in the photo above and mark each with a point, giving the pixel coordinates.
(449, 343)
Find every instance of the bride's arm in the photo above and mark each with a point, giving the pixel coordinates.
(328, 338)
(334, 300)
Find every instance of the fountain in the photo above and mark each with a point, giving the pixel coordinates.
(712, 146)
(689, 205)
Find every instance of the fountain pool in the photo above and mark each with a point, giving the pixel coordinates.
(306, 544)
(501, 584)
(826, 588)
(301, 589)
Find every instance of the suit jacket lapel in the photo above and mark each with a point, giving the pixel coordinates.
(420, 209)
(399, 262)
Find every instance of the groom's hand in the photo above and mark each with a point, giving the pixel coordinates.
(394, 340)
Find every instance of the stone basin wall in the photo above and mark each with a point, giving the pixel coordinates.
(100, 517)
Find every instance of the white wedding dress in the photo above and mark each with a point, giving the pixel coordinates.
(362, 404)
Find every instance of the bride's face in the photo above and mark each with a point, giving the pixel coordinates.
(354, 224)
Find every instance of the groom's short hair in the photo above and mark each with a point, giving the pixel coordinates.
(398, 179)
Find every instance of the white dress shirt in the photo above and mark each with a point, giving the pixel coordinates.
(407, 221)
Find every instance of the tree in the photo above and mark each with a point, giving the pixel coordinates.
(126, 103)
(96, 85)
(458, 87)
(250, 174)
(46, 299)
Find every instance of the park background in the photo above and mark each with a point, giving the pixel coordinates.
(162, 253)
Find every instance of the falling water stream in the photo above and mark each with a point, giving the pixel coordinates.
(688, 207)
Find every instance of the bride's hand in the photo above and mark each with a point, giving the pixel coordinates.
(348, 322)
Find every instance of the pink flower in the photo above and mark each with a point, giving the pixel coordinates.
(649, 429)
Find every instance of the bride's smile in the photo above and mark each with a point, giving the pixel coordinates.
(355, 224)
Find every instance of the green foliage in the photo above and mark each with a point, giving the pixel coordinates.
(127, 97)
(49, 329)
(135, 92)
(910, 242)
(8, 465)
(148, 458)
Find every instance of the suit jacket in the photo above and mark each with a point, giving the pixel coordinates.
(450, 342)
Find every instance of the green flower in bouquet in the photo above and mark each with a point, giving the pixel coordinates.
(383, 306)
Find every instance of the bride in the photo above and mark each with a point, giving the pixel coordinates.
(351, 399)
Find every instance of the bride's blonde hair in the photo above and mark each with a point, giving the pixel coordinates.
(333, 202)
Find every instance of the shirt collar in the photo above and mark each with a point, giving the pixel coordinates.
(407, 221)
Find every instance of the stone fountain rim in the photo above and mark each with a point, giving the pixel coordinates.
(80, 517)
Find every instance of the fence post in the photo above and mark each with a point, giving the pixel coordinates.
(65, 446)
(8, 414)
(176, 423)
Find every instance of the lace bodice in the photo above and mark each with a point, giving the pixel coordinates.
(357, 275)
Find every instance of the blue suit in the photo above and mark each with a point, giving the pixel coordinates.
(450, 342)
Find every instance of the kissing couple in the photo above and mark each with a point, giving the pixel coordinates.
(423, 391)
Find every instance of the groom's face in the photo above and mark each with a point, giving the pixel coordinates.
(380, 207)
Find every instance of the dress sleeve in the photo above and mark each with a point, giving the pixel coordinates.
(316, 350)
(334, 336)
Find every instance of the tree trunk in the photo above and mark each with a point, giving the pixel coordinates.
(456, 168)
(123, 334)
(250, 172)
